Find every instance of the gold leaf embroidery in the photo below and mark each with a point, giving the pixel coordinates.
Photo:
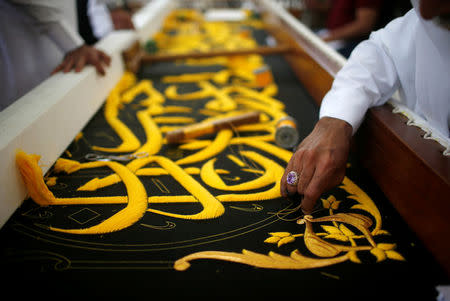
(331, 229)
(280, 234)
(285, 240)
(379, 254)
(391, 254)
(346, 231)
(272, 239)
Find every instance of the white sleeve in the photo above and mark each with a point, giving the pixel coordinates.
(53, 18)
(100, 18)
(369, 78)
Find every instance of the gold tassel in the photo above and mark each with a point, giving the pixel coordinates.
(33, 178)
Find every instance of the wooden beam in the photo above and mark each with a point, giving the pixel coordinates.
(412, 172)
(134, 56)
(261, 50)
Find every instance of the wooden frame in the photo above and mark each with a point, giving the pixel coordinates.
(413, 174)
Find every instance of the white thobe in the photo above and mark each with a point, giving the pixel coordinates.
(34, 36)
(410, 55)
(100, 18)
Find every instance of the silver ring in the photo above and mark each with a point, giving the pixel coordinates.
(292, 178)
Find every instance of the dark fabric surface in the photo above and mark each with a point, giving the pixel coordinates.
(137, 262)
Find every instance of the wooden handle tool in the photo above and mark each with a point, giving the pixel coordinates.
(203, 128)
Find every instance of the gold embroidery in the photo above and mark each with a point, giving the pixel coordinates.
(137, 196)
(135, 209)
(211, 206)
(33, 178)
(323, 245)
(113, 102)
(295, 261)
(51, 181)
(210, 177)
(337, 237)
(219, 144)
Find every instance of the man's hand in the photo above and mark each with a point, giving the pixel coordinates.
(320, 161)
(121, 19)
(81, 56)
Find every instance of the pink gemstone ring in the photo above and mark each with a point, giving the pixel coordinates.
(292, 178)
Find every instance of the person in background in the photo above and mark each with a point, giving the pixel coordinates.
(97, 18)
(411, 55)
(348, 22)
(38, 38)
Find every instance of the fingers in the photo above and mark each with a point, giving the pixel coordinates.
(294, 164)
(65, 65)
(283, 184)
(98, 64)
(58, 68)
(85, 55)
(325, 177)
(68, 64)
(307, 172)
(80, 64)
(104, 57)
(309, 181)
(99, 68)
(296, 167)
(320, 161)
(312, 193)
(317, 173)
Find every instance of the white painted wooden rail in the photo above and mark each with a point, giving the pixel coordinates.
(45, 120)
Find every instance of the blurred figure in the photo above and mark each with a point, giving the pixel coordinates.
(348, 22)
(97, 18)
(35, 36)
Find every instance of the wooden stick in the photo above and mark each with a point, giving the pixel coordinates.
(203, 128)
(135, 56)
(262, 50)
